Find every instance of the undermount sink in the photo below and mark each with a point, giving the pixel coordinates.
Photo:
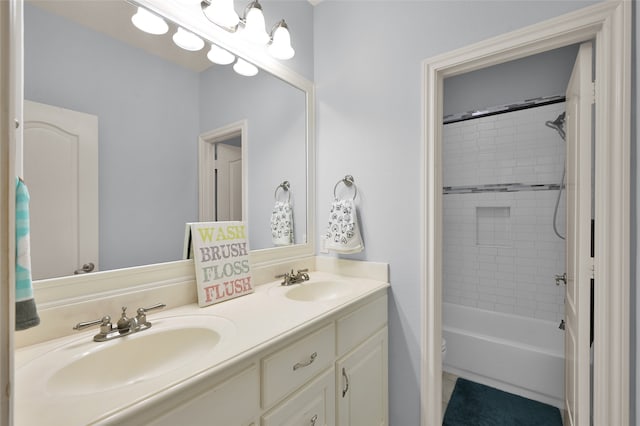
(316, 291)
(82, 367)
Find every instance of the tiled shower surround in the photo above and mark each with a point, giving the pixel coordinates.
(500, 251)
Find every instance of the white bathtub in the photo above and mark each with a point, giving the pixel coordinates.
(516, 354)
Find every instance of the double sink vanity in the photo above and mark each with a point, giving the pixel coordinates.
(310, 353)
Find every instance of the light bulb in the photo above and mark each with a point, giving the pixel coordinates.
(148, 22)
(254, 28)
(280, 47)
(187, 40)
(243, 67)
(218, 55)
(222, 13)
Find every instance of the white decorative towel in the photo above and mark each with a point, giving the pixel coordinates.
(282, 224)
(343, 235)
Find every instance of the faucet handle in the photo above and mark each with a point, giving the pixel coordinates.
(105, 321)
(154, 307)
(142, 312)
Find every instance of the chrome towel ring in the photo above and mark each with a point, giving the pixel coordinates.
(348, 181)
(285, 187)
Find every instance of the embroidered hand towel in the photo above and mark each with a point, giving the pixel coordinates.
(26, 313)
(282, 224)
(343, 233)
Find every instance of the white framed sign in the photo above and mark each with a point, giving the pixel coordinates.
(220, 251)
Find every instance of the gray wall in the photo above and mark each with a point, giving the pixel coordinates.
(148, 123)
(368, 80)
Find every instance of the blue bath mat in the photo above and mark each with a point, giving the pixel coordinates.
(473, 404)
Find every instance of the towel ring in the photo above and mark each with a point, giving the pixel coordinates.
(348, 182)
(285, 187)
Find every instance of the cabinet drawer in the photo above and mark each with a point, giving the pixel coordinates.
(360, 324)
(287, 369)
(313, 405)
(232, 402)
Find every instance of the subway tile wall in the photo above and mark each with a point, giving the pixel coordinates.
(500, 251)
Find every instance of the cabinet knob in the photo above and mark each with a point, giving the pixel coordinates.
(312, 358)
(314, 419)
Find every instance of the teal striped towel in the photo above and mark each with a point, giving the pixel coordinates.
(26, 313)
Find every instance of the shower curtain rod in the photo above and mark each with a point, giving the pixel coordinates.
(503, 109)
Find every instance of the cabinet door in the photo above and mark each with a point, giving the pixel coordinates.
(313, 405)
(361, 375)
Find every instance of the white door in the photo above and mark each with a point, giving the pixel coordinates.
(579, 263)
(61, 173)
(228, 167)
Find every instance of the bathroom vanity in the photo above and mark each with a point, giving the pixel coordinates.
(313, 353)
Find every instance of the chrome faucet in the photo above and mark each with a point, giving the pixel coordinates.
(124, 326)
(289, 278)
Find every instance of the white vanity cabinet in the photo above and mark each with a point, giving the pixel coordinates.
(352, 390)
(333, 372)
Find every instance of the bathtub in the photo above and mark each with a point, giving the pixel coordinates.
(520, 355)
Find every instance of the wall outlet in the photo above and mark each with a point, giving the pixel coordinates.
(323, 244)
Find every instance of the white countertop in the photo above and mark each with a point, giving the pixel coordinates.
(249, 323)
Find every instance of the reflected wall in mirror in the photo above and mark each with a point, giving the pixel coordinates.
(152, 101)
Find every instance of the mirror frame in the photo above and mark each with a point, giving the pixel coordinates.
(55, 291)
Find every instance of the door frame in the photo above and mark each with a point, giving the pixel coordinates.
(10, 150)
(206, 150)
(609, 24)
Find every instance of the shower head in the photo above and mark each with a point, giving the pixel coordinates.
(559, 121)
(557, 125)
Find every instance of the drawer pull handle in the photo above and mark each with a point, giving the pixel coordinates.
(314, 419)
(306, 363)
(346, 382)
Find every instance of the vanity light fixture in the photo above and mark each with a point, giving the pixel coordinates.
(243, 67)
(218, 55)
(251, 26)
(187, 40)
(148, 22)
(280, 47)
(221, 13)
(254, 26)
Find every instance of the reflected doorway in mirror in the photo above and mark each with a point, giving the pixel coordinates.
(221, 161)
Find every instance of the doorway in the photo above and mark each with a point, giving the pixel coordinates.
(504, 198)
(222, 157)
(609, 25)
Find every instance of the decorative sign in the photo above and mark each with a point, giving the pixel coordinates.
(220, 251)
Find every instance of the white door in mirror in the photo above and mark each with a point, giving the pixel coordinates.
(228, 182)
(61, 172)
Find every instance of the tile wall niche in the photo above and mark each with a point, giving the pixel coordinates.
(500, 251)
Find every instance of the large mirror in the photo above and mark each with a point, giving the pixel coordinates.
(153, 107)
